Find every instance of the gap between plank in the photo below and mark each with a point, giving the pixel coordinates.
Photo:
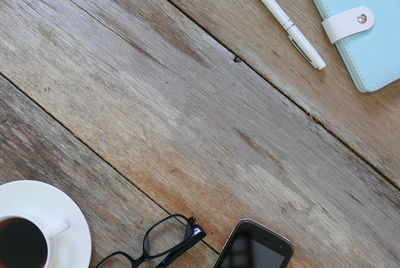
(311, 116)
(93, 151)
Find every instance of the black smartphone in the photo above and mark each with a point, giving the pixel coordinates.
(252, 245)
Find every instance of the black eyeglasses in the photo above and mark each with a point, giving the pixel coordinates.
(168, 236)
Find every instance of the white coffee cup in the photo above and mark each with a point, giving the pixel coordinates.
(49, 229)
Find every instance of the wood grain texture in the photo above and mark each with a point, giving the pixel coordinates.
(167, 106)
(368, 123)
(34, 146)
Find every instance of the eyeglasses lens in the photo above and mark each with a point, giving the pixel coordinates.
(166, 235)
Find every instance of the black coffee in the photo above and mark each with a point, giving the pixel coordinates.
(22, 244)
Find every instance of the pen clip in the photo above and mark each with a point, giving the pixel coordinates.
(300, 50)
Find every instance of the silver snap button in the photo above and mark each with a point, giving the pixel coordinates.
(362, 18)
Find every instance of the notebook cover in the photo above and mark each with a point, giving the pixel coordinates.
(372, 57)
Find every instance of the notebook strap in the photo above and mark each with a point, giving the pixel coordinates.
(347, 23)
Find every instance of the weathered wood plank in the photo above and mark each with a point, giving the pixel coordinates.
(167, 106)
(34, 146)
(369, 123)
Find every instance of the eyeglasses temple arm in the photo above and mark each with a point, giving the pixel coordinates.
(186, 246)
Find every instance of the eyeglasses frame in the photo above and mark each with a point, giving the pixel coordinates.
(193, 234)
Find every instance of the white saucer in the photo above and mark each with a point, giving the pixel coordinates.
(73, 247)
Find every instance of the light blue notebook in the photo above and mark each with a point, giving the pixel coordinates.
(371, 56)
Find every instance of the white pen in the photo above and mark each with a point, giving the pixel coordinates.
(297, 38)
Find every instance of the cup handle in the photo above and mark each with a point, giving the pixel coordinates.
(56, 228)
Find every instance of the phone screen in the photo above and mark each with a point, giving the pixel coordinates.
(246, 252)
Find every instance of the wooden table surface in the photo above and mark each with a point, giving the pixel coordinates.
(137, 110)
